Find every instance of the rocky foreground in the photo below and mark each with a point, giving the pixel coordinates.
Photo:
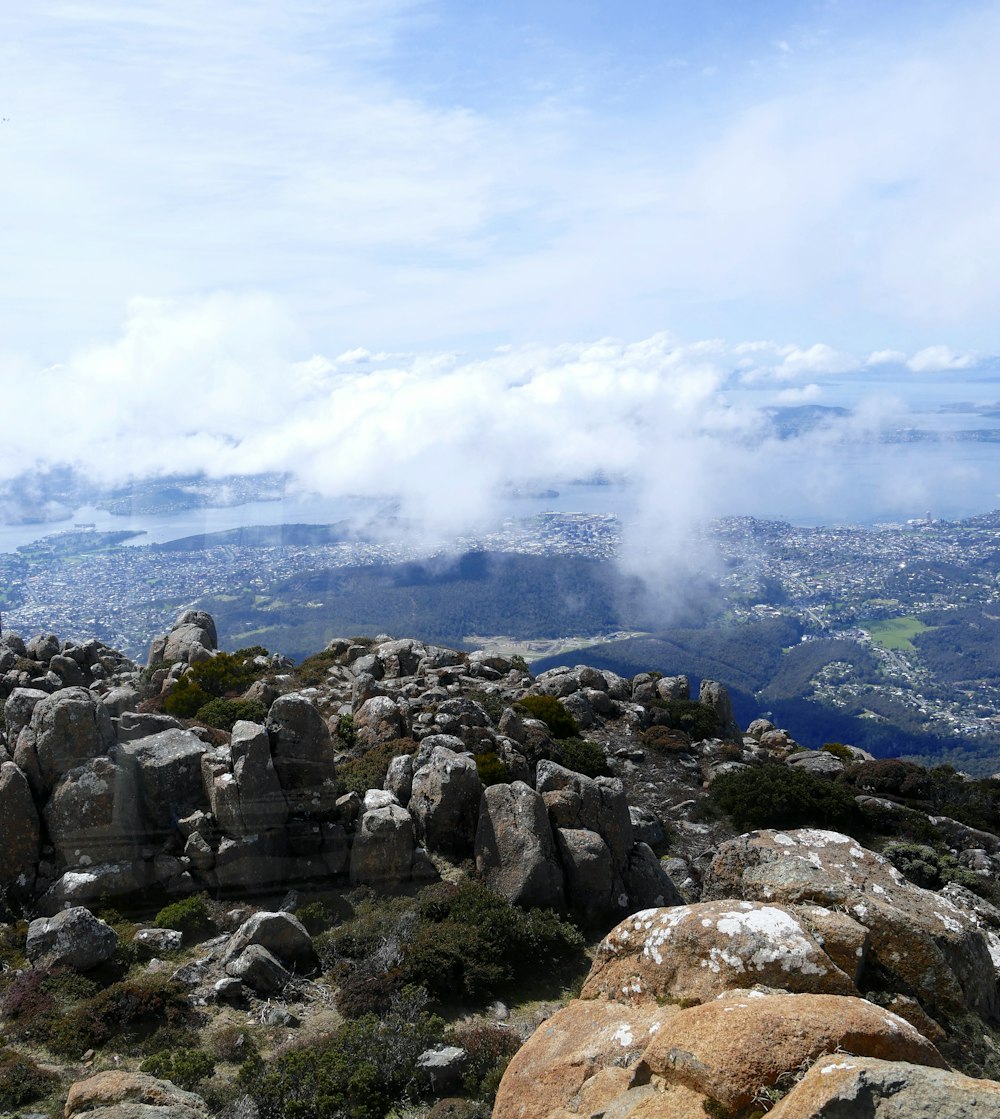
(795, 970)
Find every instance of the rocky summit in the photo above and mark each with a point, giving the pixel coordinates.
(221, 846)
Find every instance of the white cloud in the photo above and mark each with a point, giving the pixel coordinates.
(939, 359)
(807, 394)
(886, 357)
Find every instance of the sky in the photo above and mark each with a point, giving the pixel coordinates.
(437, 246)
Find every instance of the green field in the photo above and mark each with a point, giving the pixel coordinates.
(896, 633)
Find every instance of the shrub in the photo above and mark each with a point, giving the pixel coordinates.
(839, 750)
(345, 731)
(779, 796)
(583, 756)
(316, 916)
(360, 1071)
(224, 675)
(665, 740)
(186, 1068)
(889, 776)
(491, 769)
(129, 1012)
(924, 866)
(696, 719)
(491, 702)
(368, 771)
(490, 1048)
(22, 1081)
(560, 722)
(224, 714)
(232, 1044)
(314, 670)
(189, 916)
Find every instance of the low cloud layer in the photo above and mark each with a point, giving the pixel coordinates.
(219, 385)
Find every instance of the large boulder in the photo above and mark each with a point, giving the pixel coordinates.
(66, 729)
(166, 771)
(73, 938)
(515, 849)
(18, 708)
(444, 803)
(840, 1085)
(695, 952)
(931, 944)
(714, 695)
(19, 849)
(303, 752)
(732, 1047)
(282, 934)
(595, 804)
(242, 784)
(589, 872)
(95, 885)
(382, 853)
(92, 815)
(647, 884)
(131, 1095)
(379, 719)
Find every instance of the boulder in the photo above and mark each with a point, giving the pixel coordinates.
(399, 778)
(441, 1069)
(444, 803)
(166, 771)
(18, 708)
(842, 1085)
(259, 970)
(931, 944)
(66, 729)
(280, 933)
(734, 1046)
(43, 647)
(647, 883)
(68, 671)
(131, 1095)
(73, 938)
(696, 952)
(713, 694)
(579, 1061)
(382, 853)
(303, 752)
(92, 815)
(242, 784)
(400, 658)
(133, 725)
(515, 849)
(589, 873)
(95, 884)
(20, 847)
(819, 762)
(379, 719)
(595, 804)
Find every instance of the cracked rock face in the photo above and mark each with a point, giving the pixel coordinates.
(928, 941)
(696, 952)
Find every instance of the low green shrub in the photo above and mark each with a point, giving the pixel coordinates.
(839, 750)
(696, 719)
(491, 702)
(363, 1070)
(224, 714)
(226, 675)
(929, 868)
(560, 722)
(491, 769)
(583, 756)
(368, 771)
(662, 739)
(186, 1068)
(231, 1043)
(315, 669)
(22, 1080)
(189, 916)
(774, 795)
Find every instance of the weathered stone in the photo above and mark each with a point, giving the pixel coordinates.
(260, 970)
(713, 694)
(579, 1061)
(697, 951)
(95, 884)
(844, 1085)
(379, 719)
(400, 658)
(92, 815)
(282, 934)
(515, 849)
(735, 1045)
(932, 944)
(68, 671)
(819, 762)
(589, 872)
(133, 725)
(131, 1095)
(444, 803)
(166, 770)
(441, 1069)
(673, 688)
(121, 699)
(43, 647)
(156, 942)
(303, 751)
(382, 853)
(73, 938)
(242, 784)
(21, 835)
(18, 708)
(399, 778)
(66, 729)
(263, 860)
(647, 884)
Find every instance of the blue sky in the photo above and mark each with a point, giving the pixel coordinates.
(227, 195)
